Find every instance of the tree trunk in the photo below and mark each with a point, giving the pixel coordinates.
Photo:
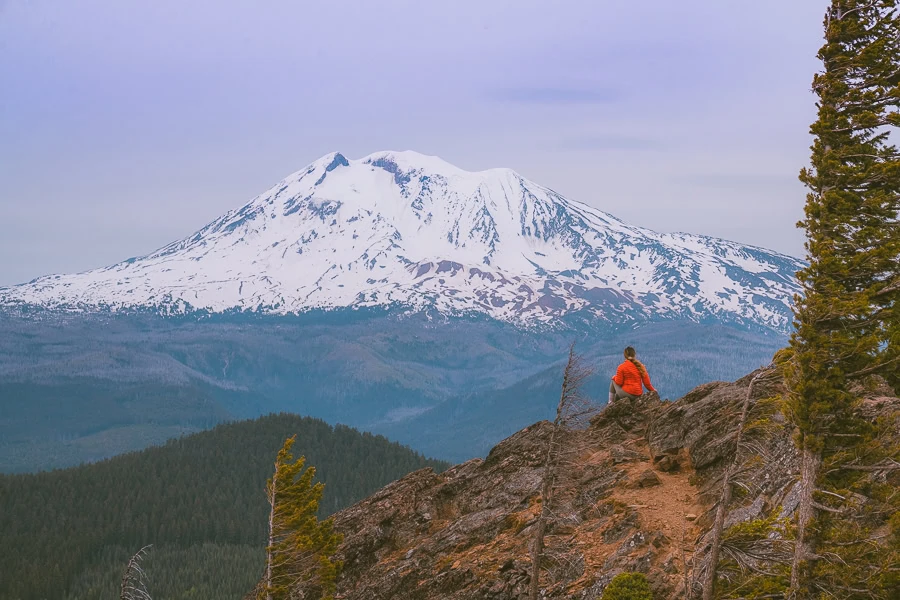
(269, 557)
(574, 376)
(709, 583)
(809, 469)
(537, 548)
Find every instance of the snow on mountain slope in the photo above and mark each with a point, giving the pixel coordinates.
(405, 230)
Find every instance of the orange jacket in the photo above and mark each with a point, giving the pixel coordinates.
(629, 379)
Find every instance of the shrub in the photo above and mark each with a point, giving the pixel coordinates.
(628, 586)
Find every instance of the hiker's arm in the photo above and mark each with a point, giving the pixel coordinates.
(620, 376)
(647, 384)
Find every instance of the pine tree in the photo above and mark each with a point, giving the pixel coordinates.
(301, 547)
(846, 319)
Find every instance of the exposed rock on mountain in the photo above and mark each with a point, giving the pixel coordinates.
(637, 494)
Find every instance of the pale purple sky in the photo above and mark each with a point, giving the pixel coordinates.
(127, 124)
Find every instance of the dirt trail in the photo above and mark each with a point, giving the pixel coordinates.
(663, 507)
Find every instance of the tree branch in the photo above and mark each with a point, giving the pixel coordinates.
(827, 508)
(874, 368)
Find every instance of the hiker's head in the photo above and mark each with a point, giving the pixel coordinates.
(631, 356)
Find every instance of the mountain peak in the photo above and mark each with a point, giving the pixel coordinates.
(404, 229)
(409, 160)
(334, 160)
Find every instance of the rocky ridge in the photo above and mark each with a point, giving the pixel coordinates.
(637, 492)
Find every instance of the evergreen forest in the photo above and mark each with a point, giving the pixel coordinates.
(199, 500)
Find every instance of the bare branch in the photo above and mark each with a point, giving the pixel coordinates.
(891, 466)
(836, 511)
(133, 580)
(892, 287)
(831, 494)
(874, 368)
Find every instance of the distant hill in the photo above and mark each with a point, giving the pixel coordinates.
(678, 356)
(80, 388)
(198, 499)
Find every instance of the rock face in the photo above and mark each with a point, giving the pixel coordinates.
(635, 492)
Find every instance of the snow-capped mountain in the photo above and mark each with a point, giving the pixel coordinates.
(413, 232)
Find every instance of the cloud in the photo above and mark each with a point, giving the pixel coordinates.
(557, 95)
(610, 142)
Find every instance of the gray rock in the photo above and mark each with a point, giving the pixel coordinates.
(647, 479)
(619, 454)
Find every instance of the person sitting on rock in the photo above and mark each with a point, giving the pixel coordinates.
(629, 377)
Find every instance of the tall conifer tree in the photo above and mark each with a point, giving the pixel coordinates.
(301, 547)
(847, 318)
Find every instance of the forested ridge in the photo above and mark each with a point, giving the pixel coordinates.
(200, 500)
(80, 388)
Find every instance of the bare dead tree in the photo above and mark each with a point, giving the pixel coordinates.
(709, 580)
(573, 410)
(134, 584)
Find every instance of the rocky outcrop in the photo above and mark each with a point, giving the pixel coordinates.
(635, 493)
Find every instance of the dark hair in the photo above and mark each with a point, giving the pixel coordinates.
(631, 356)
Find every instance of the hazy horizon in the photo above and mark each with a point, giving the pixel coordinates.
(124, 128)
